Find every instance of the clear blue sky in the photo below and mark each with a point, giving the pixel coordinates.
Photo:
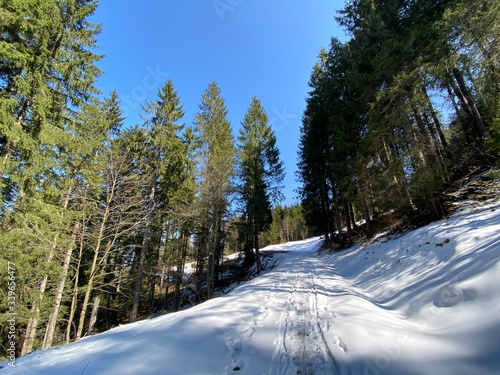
(265, 48)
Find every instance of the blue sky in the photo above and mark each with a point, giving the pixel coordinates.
(265, 48)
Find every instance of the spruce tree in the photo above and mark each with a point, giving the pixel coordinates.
(164, 160)
(97, 123)
(216, 167)
(261, 174)
(47, 72)
(373, 120)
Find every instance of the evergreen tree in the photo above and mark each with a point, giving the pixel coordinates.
(288, 224)
(216, 167)
(121, 213)
(164, 158)
(313, 146)
(96, 123)
(261, 174)
(372, 121)
(183, 213)
(47, 72)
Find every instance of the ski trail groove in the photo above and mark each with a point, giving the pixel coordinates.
(301, 348)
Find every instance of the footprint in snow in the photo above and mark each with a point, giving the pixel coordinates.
(248, 332)
(341, 344)
(234, 344)
(235, 367)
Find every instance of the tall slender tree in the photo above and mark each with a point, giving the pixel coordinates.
(261, 173)
(47, 72)
(164, 157)
(373, 121)
(216, 168)
(104, 121)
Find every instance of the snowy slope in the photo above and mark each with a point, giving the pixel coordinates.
(427, 302)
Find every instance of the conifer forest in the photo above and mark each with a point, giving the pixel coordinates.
(101, 216)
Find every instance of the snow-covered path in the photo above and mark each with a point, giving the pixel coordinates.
(293, 316)
(301, 344)
(424, 303)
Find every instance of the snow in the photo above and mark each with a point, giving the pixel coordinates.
(426, 302)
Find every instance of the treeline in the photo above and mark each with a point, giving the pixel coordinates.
(97, 217)
(288, 224)
(398, 112)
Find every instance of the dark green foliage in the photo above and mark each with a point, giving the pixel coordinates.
(98, 216)
(260, 173)
(47, 74)
(163, 156)
(374, 137)
(216, 158)
(288, 224)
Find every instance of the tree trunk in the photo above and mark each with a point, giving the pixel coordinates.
(405, 193)
(93, 270)
(338, 220)
(182, 262)
(368, 221)
(35, 309)
(220, 249)
(353, 218)
(257, 251)
(30, 329)
(438, 147)
(424, 131)
(348, 222)
(51, 324)
(421, 147)
(32, 325)
(248, 247)
(468, 104)
(452, 98)
(200, 264)
(74, 298)
(140, 273)
(326, 207)
(435, 119)
(93, 315)
(142, 256)
(212, 257)
(210, 280)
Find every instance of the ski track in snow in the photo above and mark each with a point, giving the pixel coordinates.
(301, 348)
(296, 310)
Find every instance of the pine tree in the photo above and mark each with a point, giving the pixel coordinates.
(260, 172)
(373, 121)
(47, 73)
(164, 158)
(97, 123)
(216, 167)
